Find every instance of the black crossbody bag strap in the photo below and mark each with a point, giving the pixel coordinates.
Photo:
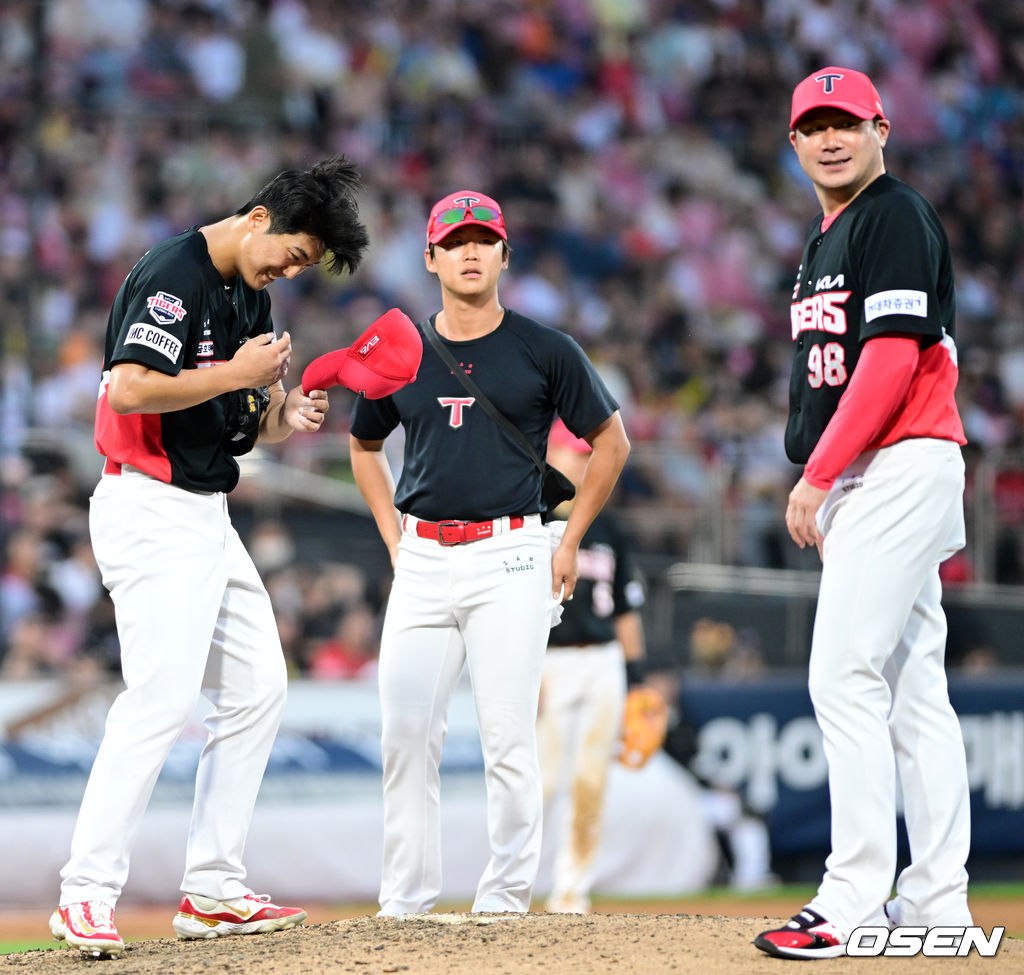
(489, 408)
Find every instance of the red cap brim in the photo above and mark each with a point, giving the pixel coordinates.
(445, 229)
(380, 362)
(322, 373)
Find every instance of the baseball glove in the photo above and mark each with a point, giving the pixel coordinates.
(245, 408)
(644, 724)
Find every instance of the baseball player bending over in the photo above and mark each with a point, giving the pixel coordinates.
(189, 328)
(475, 579)
(873, 419)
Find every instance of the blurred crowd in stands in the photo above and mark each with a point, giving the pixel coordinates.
(655, 208)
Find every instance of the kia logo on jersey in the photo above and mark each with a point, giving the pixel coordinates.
(455, 404)
(165, 309)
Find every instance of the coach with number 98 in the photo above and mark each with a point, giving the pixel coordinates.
(874, 421)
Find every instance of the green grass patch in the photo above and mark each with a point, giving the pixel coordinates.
(9, 947)
(993, 890)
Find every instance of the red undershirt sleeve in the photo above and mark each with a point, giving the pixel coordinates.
(877, 389)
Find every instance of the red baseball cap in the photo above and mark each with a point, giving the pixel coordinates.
(380, 362)
(562, 436)
(841, 88)
(461, 208)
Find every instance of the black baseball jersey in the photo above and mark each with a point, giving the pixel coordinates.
(882, 266)
(458, 462)
(608, 587)
(174, 312)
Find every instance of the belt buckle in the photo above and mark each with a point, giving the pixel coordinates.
(442, 525)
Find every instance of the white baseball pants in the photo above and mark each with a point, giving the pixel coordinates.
(193, 617)
(486, 604)
(879, 690)
(583, 693)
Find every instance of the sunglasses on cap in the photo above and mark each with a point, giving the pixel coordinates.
(454, 215)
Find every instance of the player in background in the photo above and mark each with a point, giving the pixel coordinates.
(475, 583)
(583, 686)
(743, 836)
(189, 326)
(874, 422)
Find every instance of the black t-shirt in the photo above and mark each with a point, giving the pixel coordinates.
(608, 587)
(883, 266)
(174, 312)
(458, 463)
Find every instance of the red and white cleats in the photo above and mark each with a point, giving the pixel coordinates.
(204, 917)
(89, 927)
(807, 935)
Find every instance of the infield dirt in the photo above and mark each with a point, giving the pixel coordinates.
(468, 944)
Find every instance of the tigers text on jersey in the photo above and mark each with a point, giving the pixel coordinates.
(458, 462)
(607, 587)
(174, 312)
(883, 266)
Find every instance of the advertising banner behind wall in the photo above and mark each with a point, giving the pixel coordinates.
(762, 739)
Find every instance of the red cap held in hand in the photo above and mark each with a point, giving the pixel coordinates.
(380, 362)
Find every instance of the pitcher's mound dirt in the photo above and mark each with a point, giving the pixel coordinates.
(469, 944)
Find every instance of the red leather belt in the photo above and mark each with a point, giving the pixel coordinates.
(460, 532)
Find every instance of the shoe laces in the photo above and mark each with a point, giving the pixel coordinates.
(806, 920)
(98, 914)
